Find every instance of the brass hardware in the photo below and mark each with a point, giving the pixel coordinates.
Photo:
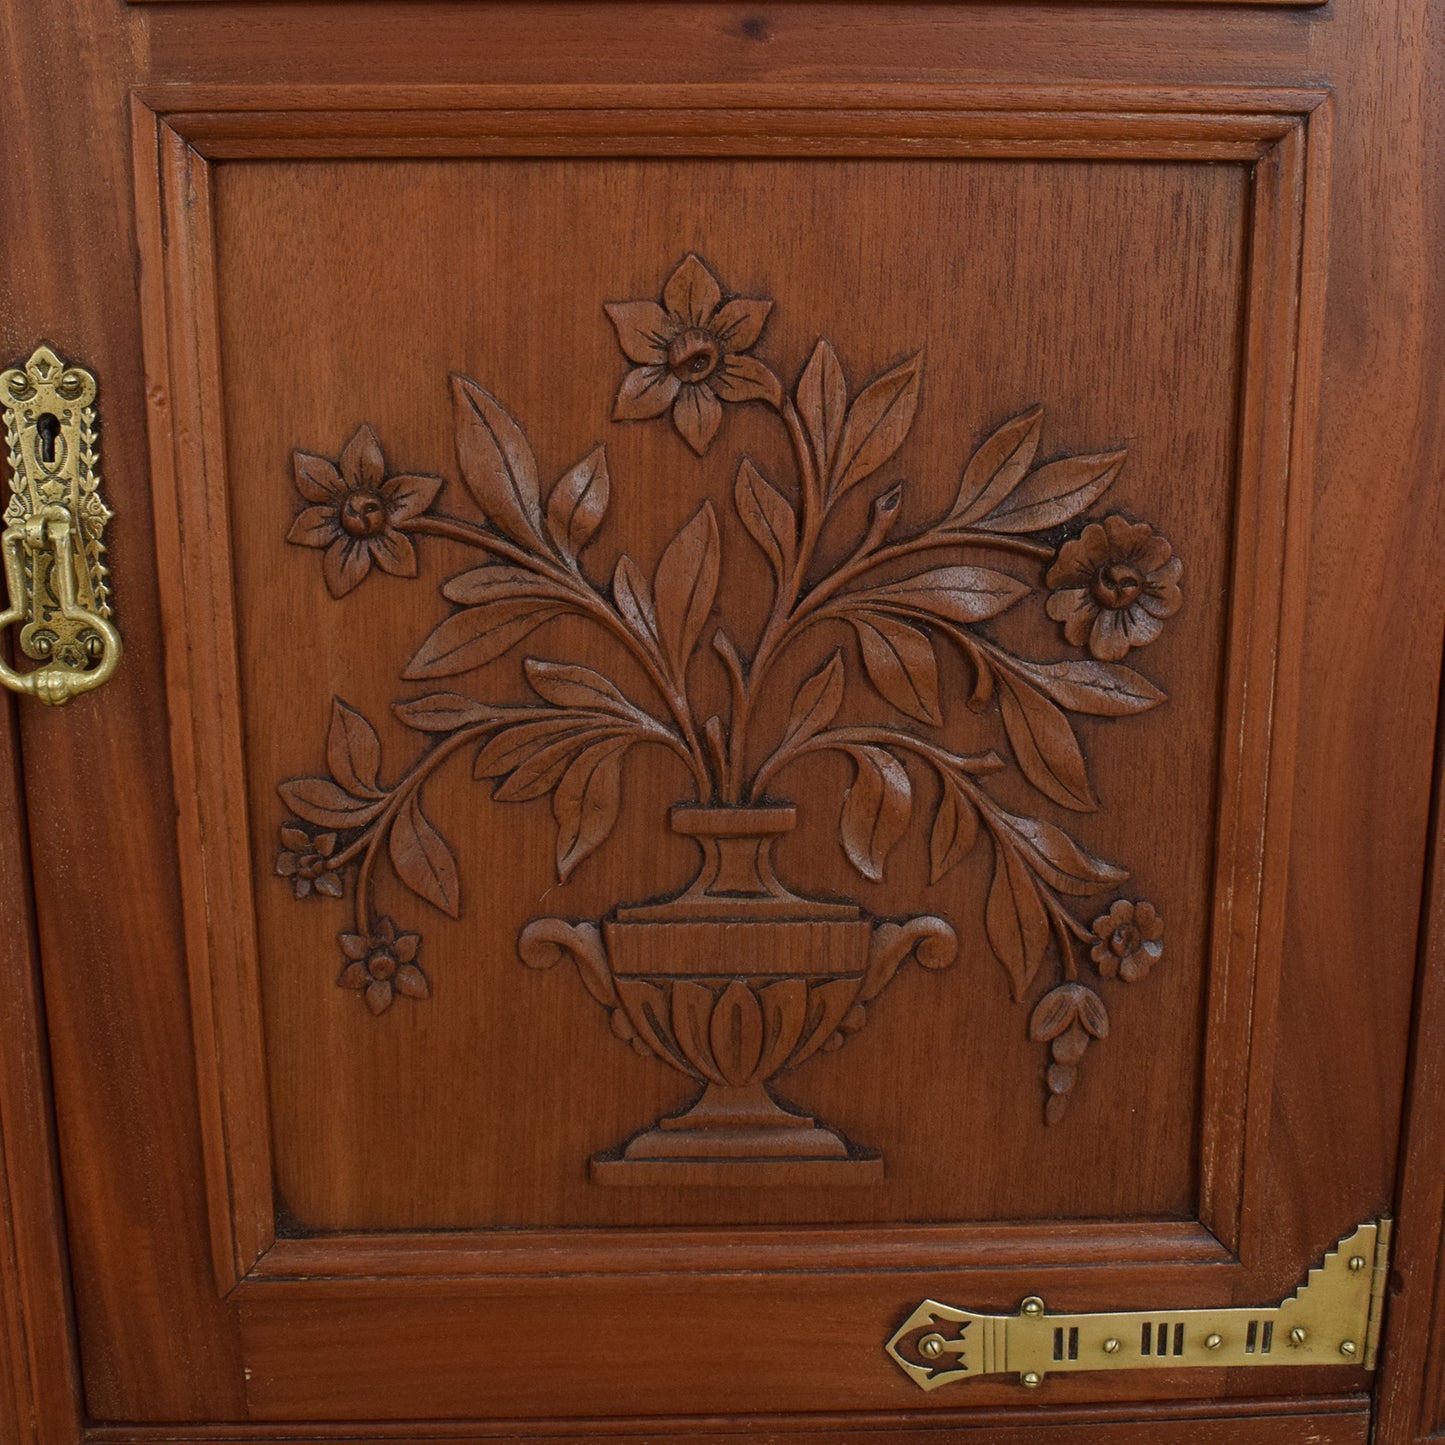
(1337, 1306)
(54, 569)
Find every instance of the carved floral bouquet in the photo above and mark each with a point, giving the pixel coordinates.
(1111, 585)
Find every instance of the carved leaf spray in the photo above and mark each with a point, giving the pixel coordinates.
(738, 977)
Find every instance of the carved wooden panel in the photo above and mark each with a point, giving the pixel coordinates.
(733, 604)
(738, 977)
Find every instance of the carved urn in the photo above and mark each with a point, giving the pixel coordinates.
(732, 981)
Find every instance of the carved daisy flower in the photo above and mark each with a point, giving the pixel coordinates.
(691, 354)
(1130, 940)
(358, 512)
(382, 965)
(1113, 586)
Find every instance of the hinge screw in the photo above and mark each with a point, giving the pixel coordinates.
(1032, 1380)
(1033, 1307)
(1297, 1335)
(930, 1346)
(1111, 1346)
(1348, 1347)
(1357, 1263)
(1213, 1342)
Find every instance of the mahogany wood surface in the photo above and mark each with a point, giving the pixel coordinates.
(1198, 235)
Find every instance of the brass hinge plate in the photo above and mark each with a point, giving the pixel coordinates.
(1332, 1319)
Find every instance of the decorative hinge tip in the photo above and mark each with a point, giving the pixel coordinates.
(1333, 1318)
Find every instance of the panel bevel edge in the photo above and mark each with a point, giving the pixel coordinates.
(1277, 133)
(173, 221)
(424, 1259)
(1278, 415)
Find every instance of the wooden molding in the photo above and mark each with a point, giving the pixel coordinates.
(1328, 1420)
(1281, 135)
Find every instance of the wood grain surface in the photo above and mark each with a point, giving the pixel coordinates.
(1146, 244)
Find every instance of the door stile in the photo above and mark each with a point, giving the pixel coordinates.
(40, 1391)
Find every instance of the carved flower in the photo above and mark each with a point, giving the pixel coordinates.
(1130, 940)
(690, 354)
(304, 858)
(382, 965)
(1113, 585)
(358, 512)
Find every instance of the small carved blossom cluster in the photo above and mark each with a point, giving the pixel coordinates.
(305, 860)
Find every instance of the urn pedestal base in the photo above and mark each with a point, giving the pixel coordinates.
(737, 1135)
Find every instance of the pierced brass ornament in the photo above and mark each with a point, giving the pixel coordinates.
(54, 522)
(1332, 1319)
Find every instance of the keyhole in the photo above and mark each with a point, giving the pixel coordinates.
(47, 432)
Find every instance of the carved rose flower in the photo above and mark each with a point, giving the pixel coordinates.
(1113, 585)
(381, 965)
(304, 858)
(1130, 940)
(359, 512)
(691, 354)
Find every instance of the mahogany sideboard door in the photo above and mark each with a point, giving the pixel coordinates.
(776, 730)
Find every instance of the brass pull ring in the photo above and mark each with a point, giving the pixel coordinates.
(52, 542)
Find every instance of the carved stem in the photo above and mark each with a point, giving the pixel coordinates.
(600, 610)
(370, 840)
(785, 599)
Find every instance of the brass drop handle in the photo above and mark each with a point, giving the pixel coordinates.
(55, 572)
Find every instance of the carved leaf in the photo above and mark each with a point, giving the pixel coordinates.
(1054, 1012)
(1016, 920)
(544, 767)
(422, 859)
(685, 586)
(817, 702)
(320, 801)
(1045, 746)
(997, 467)
(1057, 859)
(955, 831)
(878, 421)
(498, 582)
(735, 1033)
(586, 803)
(511, 747)
(1093, 1015)
(784, 1007)
(1050, 496)
(769, 518)
(573, 686)
(900, 662)
(444, 712)
(823, 403)
(875, 809)
(496, 462)
(578, 503)
(634, 598)
(476, 636)
(956, 594)
(353, 751)
(1103, 689)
